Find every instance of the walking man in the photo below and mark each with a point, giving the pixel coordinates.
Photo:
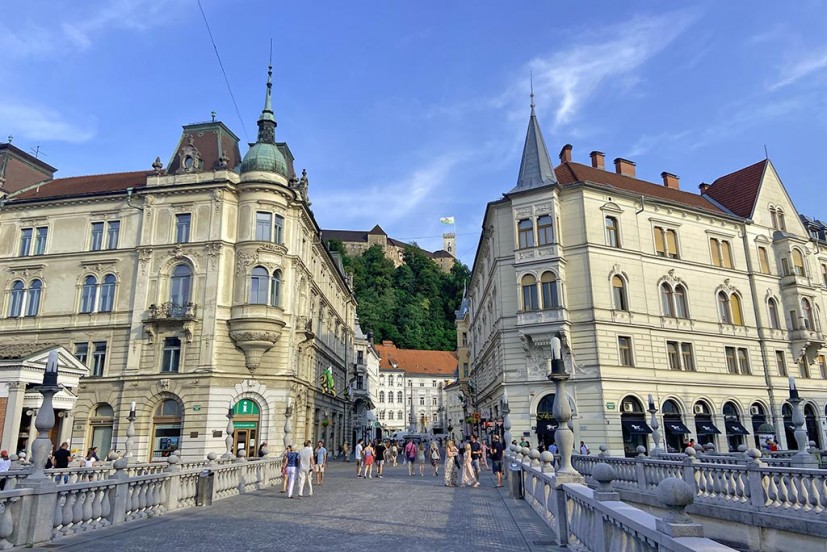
(476, 454)
(379, 450)
(358, 457)
(306, 464)
(495, 451)
(410, 455)
(292, 463)
(584, 449)
(321, 462)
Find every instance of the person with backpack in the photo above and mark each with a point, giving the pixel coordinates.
(435, 458)
(410, 456)
(584, 449)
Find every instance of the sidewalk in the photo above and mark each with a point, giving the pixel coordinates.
(347, 513)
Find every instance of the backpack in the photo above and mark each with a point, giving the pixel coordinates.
(434, 454)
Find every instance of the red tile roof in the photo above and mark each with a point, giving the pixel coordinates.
(570, 173)
(417, 362)
(737, 191)
(86, 185)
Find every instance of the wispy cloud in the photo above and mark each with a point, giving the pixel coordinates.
(36, 122)
(572, 76)
(803, 67)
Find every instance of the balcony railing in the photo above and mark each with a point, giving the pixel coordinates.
(170, 311)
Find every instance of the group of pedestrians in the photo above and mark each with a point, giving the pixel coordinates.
(463, 464)
(306, 464)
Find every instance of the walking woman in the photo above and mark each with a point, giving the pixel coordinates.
(450, 463)
(483, 458)
(369, 454)
(468, 477)
(434, 454)
(420, 459)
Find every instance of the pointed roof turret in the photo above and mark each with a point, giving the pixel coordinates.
(535, 166)
(264, 155)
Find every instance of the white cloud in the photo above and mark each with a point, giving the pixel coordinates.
(571, 76)
(34, 122)
(803, 67)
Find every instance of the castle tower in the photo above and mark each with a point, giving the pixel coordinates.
(449, 243)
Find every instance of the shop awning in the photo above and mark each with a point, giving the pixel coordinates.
(706, 428)
(635, 427)
(734, 427)
(676, 427)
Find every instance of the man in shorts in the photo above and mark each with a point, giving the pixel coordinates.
(410, 455)
(380, 457)
(357, 453)
(321, 462)
(495, 452)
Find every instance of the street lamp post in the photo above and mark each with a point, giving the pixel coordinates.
(130, 433)
(45, 419)
(564, 437)
(653, 421)
(802, 457)
(228, 440)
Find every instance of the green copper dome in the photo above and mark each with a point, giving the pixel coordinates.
(264, 157)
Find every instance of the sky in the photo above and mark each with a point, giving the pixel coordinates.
(405, 112)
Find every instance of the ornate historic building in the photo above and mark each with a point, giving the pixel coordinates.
(707, 302)
(192, 290)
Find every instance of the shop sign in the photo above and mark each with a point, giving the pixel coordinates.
(244, 425)
(196, 407)
(611, 406)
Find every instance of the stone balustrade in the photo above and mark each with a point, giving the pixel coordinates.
(65, 502)
(595, 520)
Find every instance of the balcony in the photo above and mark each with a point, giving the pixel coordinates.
(255, 329)
(170, 314)
(546, 316)
(811, 337)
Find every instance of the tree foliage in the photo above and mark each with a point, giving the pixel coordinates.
(412, 305)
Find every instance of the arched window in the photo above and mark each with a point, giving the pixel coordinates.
(381, 396)
(782, 225)
(382, 380)
(667, 300)
(18, 289)
(806, 314)
(390, 414)
(167, 428)
(548, 284)
(87, 294)
(798, 263)
(772, 307)
(275, 289)
(681, 305)
(399, 415)
(737, 312)
(399, 397)
(619, 293)
(180, 285)
(101, 423)
(107, 299)
(390, 396)
(723, 308)
(258, 285)
(34, 298)
(612, 232)
(529, 287)
(398, 380)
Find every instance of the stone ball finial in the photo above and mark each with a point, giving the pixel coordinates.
(546, 457)
(535, 454)
(604, 474)
(641, 450)
(525, 451)
(754, 454)
(13, 457)
(22, 455)
(121, 463)
(112, 456)
(690, 451)
(709, 447)
(173, 459)
(604, 450)
(676, 495)
(211, 456)
(742, 448)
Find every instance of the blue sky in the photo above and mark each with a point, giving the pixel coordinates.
(403, 112)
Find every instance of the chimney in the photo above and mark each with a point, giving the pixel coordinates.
(671, 180)
(565, 154)
(624, 167)
(703, 187)
(598, 159)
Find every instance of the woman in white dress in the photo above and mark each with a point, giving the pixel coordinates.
(468, 477)
(451, 452)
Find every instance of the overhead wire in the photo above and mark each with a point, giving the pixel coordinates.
(224, 72)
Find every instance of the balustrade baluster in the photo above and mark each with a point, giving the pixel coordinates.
(6, 522)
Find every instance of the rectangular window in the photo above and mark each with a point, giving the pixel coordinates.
(464, 339)
(545, 230)
(25, 241)
(96, 244)
(731, 360)
(803, 367)
(360, 357)
(824, 275)
(172, 354)
(785, 266)
(433, 383)
(526, 233)
(421, 401)
(422, 384)
(433, 401)
(666, 242)
(687, 357)
(743, 360)
(781, 360)
(464, 369)
(182, 227)
(82, 352)
(726, 254)
(612, 232)
(278, 230)
(721, 252)
(763, 260)
(98, 358)
(530, 300)
(264, 221)
(673, 355)
(822, 366)
(112, 234)
(624, 344)
(40, 240)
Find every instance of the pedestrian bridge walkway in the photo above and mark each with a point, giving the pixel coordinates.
(396, 512)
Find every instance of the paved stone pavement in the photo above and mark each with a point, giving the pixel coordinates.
(397, 512)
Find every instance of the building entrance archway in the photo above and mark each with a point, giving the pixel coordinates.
(635, 428)
(546, 422)
(246, 419)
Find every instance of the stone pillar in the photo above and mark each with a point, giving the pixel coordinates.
(14, 412)
(32, 432)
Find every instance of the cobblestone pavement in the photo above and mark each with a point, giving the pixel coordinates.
(397, 512)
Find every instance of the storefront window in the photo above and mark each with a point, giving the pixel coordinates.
(167, 431)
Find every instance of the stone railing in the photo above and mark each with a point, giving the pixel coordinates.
(60, 503)
(596, 520)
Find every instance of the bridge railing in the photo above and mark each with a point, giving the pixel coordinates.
(35, 510)
(596, 520)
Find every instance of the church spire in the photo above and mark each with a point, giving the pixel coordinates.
(535, 166)
(267, 121)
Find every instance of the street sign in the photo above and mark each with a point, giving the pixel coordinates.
(611, 406)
